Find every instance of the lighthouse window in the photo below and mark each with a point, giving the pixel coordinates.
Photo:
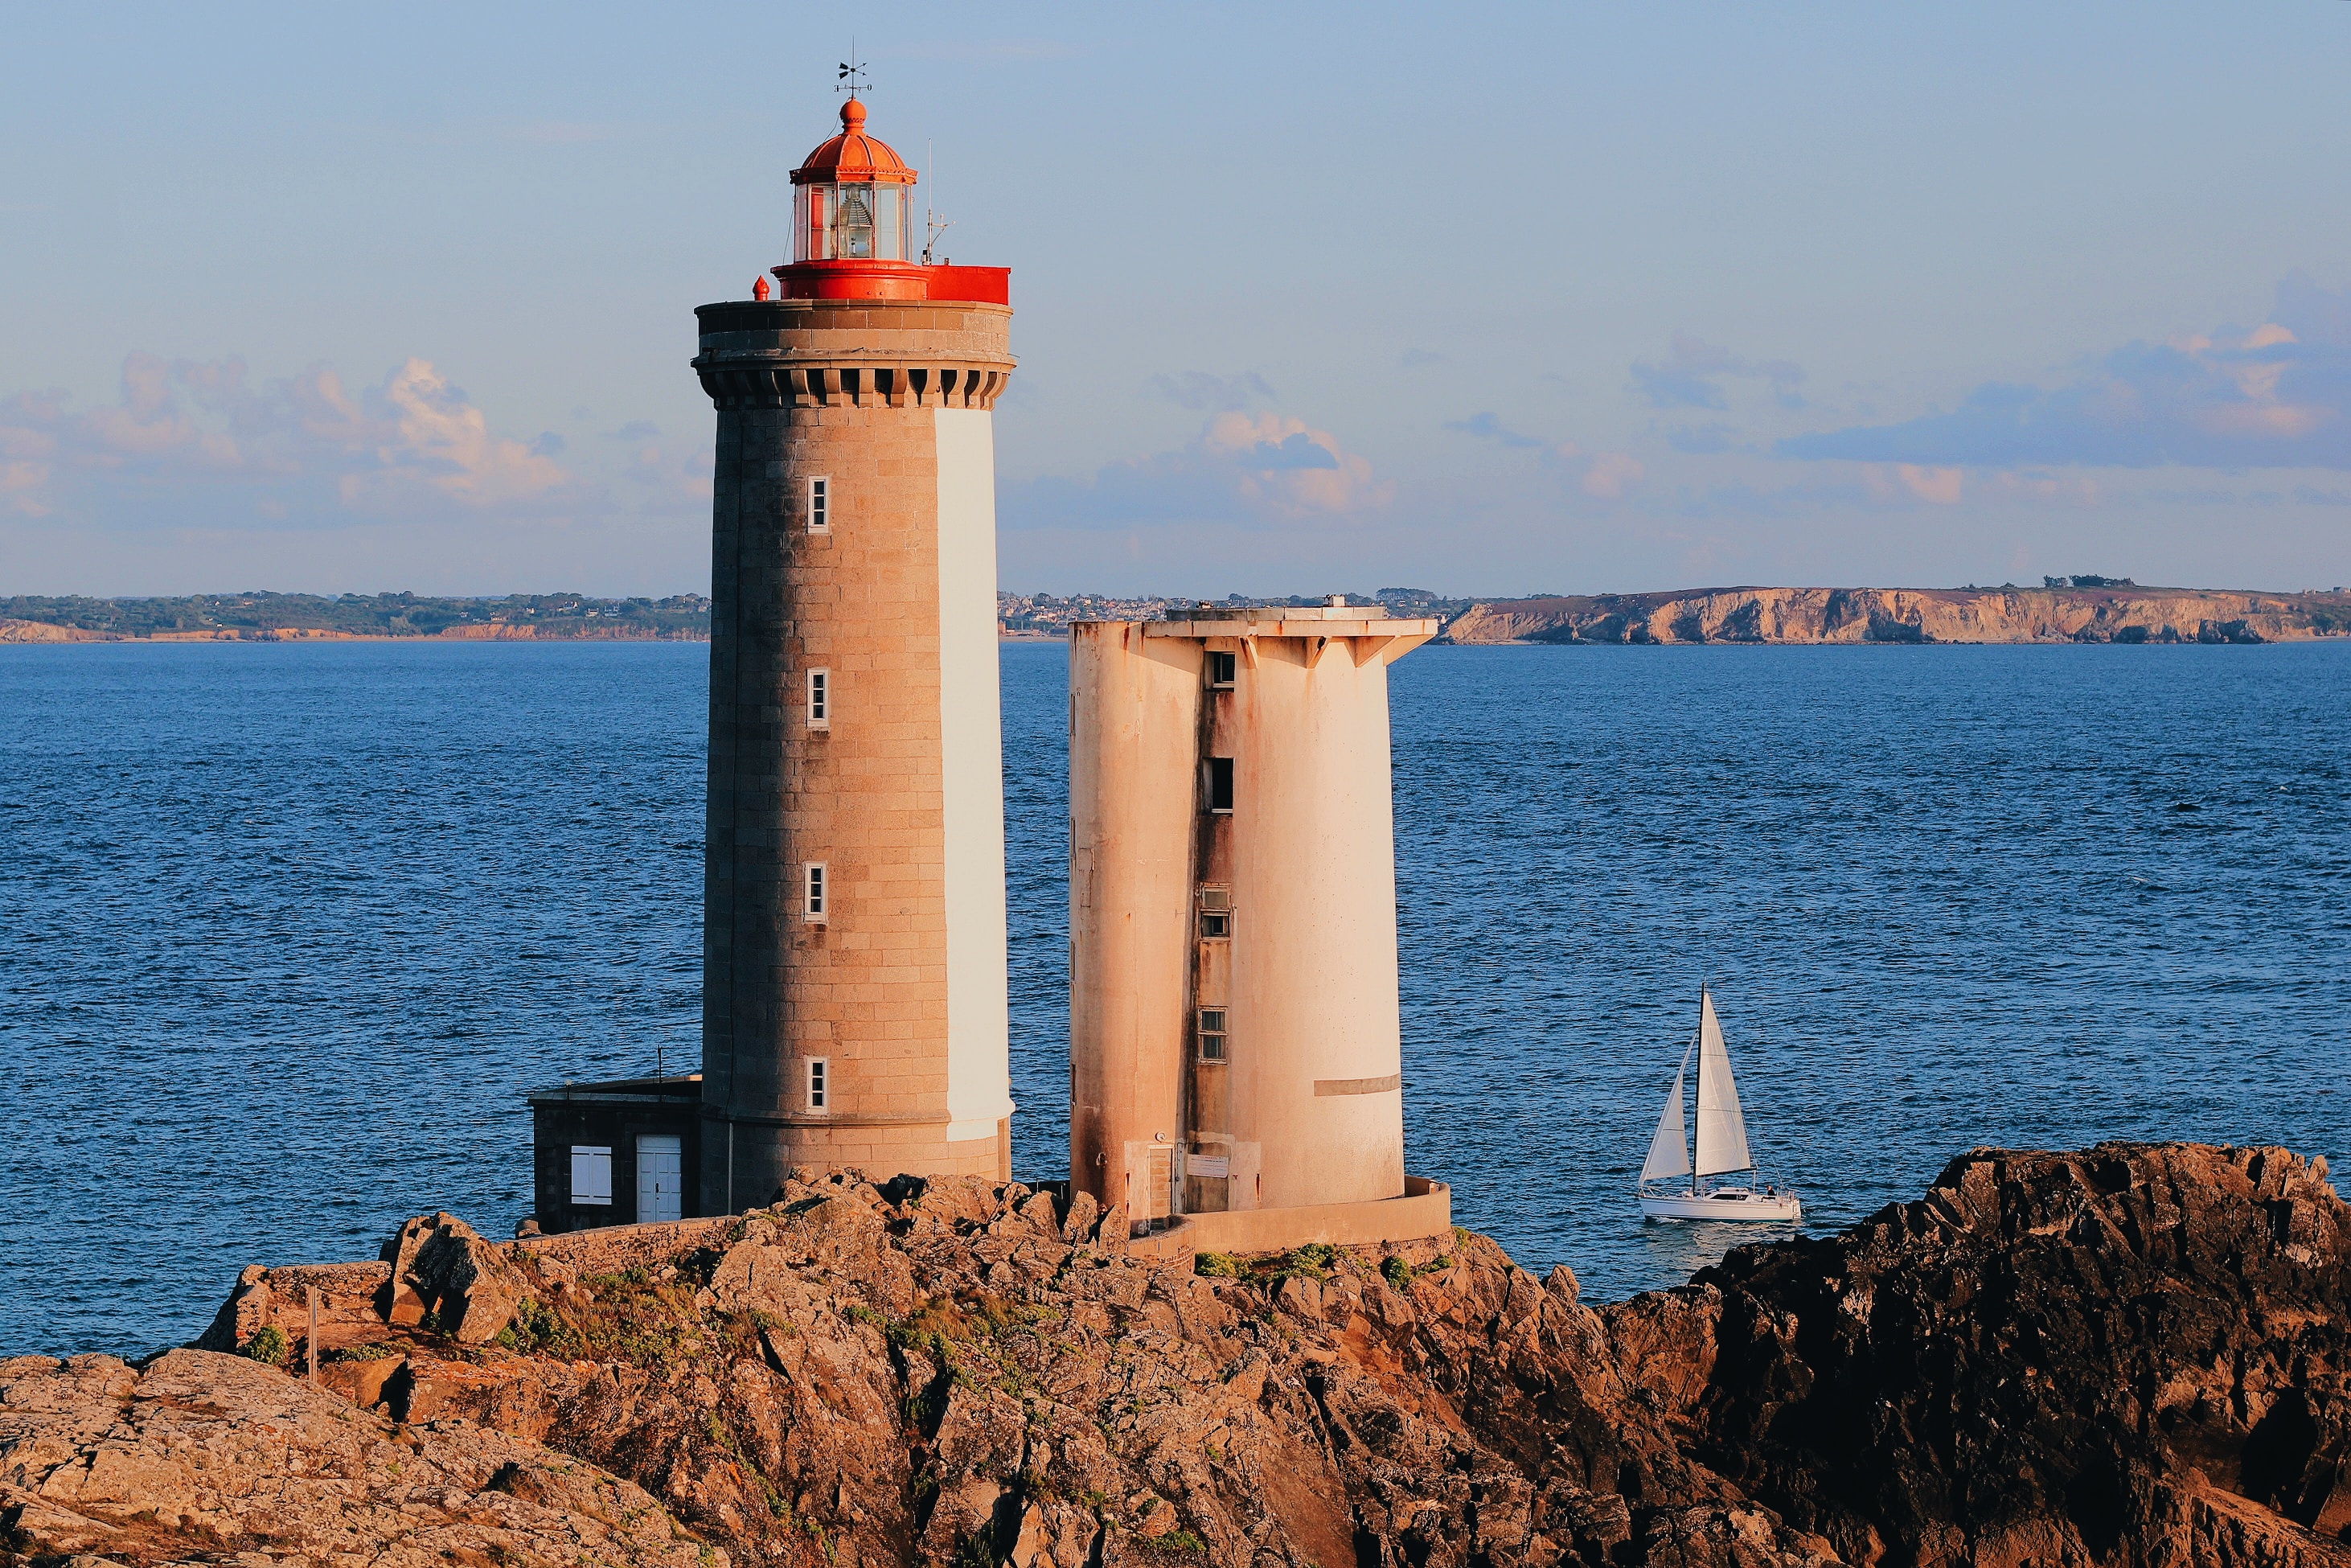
(1215, 924)
(819, 505)
(888, 235)
(819, 1082)
(813, 873)
(1220, 784)
(819, 699)
(853, 229)
(813, 234)
(1220, 671)
(1212, 1034)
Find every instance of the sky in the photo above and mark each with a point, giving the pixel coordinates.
(1487, 299)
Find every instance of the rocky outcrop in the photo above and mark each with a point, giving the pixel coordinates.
(201, 1458)
(2133, 1355)
(443, 1273)
(1910, 615)
(2130, 1356)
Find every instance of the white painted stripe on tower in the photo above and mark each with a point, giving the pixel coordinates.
(979, 1075)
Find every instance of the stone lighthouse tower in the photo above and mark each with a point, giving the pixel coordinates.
(854, 933)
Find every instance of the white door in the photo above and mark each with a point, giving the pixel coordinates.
(661, 1189)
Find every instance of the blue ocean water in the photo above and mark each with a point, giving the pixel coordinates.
(286, 931)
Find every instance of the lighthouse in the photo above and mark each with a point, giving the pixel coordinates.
(854, 915)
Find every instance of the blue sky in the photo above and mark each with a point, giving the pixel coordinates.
(1489, 300)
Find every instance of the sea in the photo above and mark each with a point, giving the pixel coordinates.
(288, 930)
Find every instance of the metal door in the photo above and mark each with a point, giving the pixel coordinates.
(1163, 1181)
(661, 1187)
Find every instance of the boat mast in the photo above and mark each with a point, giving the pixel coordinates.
(1697, 1092)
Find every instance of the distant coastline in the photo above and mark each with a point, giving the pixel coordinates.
(2076, 609)
(2063, 610)
(354, 618)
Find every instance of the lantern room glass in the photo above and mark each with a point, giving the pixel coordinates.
(858, 222)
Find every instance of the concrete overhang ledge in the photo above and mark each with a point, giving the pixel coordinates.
(1294, 623)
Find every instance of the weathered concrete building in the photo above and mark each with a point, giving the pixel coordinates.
(1235, 1059)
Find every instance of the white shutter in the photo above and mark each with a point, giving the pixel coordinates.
(591, 1174)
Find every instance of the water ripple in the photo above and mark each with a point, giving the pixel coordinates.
(286, 933)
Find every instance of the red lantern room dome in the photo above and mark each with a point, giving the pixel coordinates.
(853, 228)
(853, 157)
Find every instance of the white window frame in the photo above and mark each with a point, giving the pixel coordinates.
(1221, 1034)
(590, 1160)
(815, 1082)
(819, 699)
(816, 893)
(819, 504)
(1232, 664)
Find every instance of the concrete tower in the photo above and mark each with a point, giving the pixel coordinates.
(1236, 1064)
(854, 946)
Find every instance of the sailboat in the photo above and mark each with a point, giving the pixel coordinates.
(1721, 1144)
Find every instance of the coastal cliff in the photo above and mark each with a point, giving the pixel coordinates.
(2135, 1354)
(1910, 615)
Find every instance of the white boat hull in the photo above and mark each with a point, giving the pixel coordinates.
(1726, 1203)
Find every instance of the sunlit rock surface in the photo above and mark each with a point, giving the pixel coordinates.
(2132, 1355)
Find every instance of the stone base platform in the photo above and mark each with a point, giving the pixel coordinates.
(1425, 1209)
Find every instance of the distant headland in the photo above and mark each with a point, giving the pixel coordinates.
(2081, 610)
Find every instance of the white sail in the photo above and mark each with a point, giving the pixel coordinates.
(1669, 1150)
(1721, 1130)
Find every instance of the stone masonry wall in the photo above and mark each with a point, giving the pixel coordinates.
(866, 988)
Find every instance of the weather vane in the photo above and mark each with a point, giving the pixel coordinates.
(850, 78)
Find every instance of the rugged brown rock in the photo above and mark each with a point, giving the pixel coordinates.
(2135, 1354)
(2129, 1356)
(443, 1272)
(1910, 615)
(205, 1457)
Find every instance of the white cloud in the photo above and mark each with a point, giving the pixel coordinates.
(180, 433)
(1612, 474)
(1266, 467)
(1606, 474)
(445, 442)
(1940, 486)
(2276, 397)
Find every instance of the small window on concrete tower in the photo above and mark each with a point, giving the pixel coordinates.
(819, 1082)
(819, 699)
(819, 506)
(1220, 784)
(1212, 1034)
(1220, 671)
(813, 877)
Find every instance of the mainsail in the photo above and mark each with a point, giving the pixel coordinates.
(1669, 1150)
(1721, 1130)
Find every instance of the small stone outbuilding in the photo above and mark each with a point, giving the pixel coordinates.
(617, 1153)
